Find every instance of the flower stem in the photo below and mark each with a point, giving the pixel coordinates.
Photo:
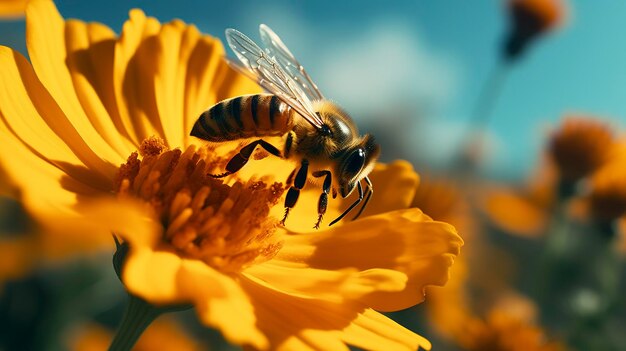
(489, 93)
(137, 317)
(472, 142)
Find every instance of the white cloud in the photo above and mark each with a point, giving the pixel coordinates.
(387, 63)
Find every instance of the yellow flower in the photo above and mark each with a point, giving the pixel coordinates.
(91, 102)
(12, 8)
(442, 200)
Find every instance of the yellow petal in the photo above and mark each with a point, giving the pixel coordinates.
(89, 226)
(372, 330)
(151, 275)
(407, 241)
(163, 277)
(187, 62)
(210, 80)
(137, 56)
(47, 48)
(30, 116)
(394, 187)
(134, 97)
(331, 285)
(90, 50)
(221, 302)
(175, 43)
(166, 75)
(299, 323)
(39, 181)
(45, 189)
(515, 213)
(448, 307)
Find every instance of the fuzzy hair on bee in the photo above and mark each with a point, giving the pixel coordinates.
(319, 135)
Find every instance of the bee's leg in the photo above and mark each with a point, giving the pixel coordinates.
(323, 202)
(354, 204)
(241, 158)
(294, 190)
(289, 182)
(369, 193)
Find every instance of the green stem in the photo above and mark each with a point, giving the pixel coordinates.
(138, 316)
(473, 138)
(481, 115)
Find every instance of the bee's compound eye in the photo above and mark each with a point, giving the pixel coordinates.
(355, 162)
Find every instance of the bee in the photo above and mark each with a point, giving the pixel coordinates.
(316, 132)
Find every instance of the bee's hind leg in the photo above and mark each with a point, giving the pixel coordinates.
(241, 158)
(294, 190)
(323, 202)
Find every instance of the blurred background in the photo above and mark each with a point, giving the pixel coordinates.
(433, 82)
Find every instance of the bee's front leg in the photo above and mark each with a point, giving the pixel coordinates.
(241, 158)
(359, 187)
(368, 196)
(323, 202)
(294, 190)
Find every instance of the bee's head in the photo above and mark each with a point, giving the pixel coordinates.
(355, 163)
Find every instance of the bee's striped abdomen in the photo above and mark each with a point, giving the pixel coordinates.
(243, 117)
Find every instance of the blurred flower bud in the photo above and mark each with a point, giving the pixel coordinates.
(580, 146)
(529, 20)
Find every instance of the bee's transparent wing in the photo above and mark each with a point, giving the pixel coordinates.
(262, 68)
(275, 47)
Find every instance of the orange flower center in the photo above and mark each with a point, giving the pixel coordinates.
(226, 226)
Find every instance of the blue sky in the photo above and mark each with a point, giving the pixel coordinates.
(412, 71)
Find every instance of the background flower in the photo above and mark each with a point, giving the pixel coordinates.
(12, 8)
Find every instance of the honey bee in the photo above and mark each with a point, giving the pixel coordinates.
(316, 132)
